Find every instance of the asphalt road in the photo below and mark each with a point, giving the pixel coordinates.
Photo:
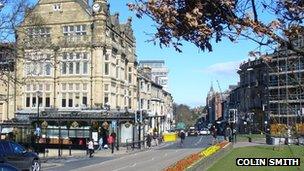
(155, 159)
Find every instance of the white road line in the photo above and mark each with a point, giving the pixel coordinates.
(121, 168)
(199, 141)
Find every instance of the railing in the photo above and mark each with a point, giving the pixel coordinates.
(134, 144)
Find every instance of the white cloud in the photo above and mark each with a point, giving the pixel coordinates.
(225, 68)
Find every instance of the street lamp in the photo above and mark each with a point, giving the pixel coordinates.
(39, 94)
(265, 124)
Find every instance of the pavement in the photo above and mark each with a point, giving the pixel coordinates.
(247, 144)
(151, 159)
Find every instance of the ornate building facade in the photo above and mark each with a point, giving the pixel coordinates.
(77, 58)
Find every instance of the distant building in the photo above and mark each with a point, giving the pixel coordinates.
(226, 101)
(154, 101)
(250, 96)
(214, 105)
(159, 73)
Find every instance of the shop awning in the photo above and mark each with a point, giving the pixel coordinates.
(6, 130)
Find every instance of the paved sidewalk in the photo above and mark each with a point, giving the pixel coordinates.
(247, 144)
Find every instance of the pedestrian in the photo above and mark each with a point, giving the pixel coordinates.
(155, 138)
(214, 134)
(228, 134)
(148, 139)
(111, 142)
(182, 136)
(91, 147)
(113, 134)
(100, 142)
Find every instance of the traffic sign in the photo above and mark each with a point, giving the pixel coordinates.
(114, 124)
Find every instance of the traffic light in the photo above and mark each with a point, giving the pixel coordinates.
(138, 116)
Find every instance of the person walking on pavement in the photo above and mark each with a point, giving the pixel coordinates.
(214, 134)
(91, 148)
(111, 142)
(113, 134)
(100, 142)
(228, 134)
(182, 137)
(149, 139)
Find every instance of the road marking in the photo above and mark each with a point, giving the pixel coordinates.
(199, 141)
(133, 165)
(121, 168)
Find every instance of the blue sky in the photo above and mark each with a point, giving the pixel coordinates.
(192, 71)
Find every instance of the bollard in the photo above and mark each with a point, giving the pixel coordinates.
(70, 151)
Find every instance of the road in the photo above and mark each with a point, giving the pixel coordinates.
(150, 160)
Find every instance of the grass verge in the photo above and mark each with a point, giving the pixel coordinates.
(228, 162)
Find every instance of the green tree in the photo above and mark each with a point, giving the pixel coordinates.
(184, 113)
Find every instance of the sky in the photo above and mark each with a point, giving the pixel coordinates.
(192, 71)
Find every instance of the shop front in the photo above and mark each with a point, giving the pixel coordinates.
(74, 128)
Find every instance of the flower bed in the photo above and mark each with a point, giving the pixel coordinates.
(193, 158)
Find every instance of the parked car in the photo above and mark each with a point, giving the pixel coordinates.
(204, 131)
(14, 154)
(192, 132)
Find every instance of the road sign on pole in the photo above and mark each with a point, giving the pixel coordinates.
(114, 124)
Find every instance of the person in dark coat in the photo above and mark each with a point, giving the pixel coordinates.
(149, 139)
(213, 131)
(182, 136)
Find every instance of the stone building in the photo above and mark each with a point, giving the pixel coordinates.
(77, 75)
(76, 65)
(7, 77)
(252, 93)
(155, 101)
(76, 58)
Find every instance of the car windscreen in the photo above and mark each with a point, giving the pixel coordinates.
(17, 149)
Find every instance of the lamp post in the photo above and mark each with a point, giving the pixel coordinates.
(39, 94)
(265, 125)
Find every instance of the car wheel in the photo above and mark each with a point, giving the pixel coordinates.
(35, 166)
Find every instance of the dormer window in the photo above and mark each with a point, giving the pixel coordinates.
(56, 7)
